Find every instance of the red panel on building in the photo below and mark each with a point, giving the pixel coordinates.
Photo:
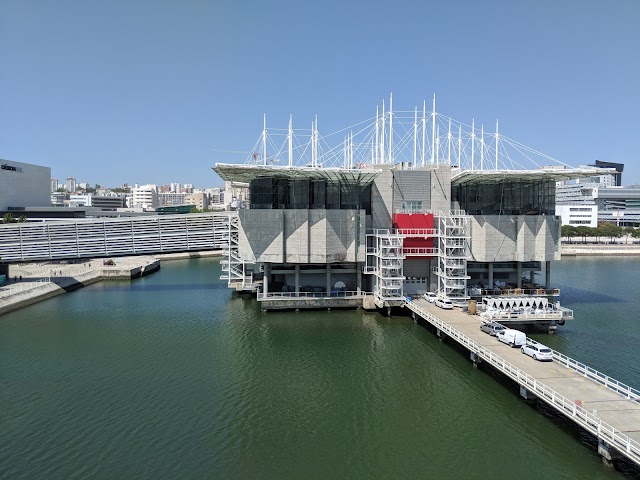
(415, 221)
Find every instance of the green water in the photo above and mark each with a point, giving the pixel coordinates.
(173, 376)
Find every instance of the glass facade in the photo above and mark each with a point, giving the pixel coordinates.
(285, 193)
(508, 197)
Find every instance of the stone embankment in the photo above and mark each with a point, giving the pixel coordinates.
(32, 283)
(576, 249)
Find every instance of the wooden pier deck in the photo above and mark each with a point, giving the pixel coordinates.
(606, 408)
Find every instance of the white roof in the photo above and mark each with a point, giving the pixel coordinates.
(246, 173)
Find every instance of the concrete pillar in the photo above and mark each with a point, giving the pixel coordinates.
(532, 277)
(359, 277)
(547, 275)
(527, 395)
(490, 275)
(328, 278)
(297, 276)
(519, 264)
(607, 453)
(265, 282)
(475, 358)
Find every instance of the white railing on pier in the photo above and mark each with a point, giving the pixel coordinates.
(587, 420)
(593, 374)
(295, 295)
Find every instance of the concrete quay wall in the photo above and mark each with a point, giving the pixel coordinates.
(572, 250)
(33, 289)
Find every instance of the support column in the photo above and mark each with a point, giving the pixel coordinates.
(475, 358)
(527, 395)
(297, 278)
(519, 264)
(265, 279)
(547, 275)
(607, 453)
(328, 279)
(359, 277)
(532, 277)
(490, 275)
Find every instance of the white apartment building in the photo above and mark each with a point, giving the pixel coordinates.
(578, 215)
(145, 196)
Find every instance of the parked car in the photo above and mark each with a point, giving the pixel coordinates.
(538, 352)
(444, 303)
(492, 328)
(430, 297)
(515, 338)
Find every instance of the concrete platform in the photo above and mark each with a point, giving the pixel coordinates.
(34, 282)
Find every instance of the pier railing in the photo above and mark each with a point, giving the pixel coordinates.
(294, 295)
(587, 420)
(593, 374)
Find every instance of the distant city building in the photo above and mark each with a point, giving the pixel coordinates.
(24, 185)
(200, 200)
(171, 198)
(71, 185)
(145, 196)
(617, 177)
(54, 185)
(578, 215)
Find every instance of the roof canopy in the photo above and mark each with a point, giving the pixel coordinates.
(469, 177)
(246, 173)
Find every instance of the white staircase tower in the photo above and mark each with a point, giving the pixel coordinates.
(384, 261)
(453, 252)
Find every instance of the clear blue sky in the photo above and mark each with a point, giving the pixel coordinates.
(143, 91)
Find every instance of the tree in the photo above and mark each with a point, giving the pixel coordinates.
(628, 232)
(568, 231)
(8, 218)
(583, 231)
(636, 233)
(22, 219)
(611, 230)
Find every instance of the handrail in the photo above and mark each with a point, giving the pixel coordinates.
(293, 295)
(590, 422)
(593, 374)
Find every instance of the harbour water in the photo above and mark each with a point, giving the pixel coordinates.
(174, 376)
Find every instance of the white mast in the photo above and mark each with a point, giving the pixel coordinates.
(496, 144)
(482, 148)
(290, 140)
(391, 128)
(345, 162)
(449, 144)
(473, 141)
(377, 144)
(382, 159)
(433, 129)
(415, 137)
(264, 141)
(424, 128)
(351, 151)
(459, 145)
(438, 146)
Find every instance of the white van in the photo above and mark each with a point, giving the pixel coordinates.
(515, 338)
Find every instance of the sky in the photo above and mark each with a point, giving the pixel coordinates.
(157, 91)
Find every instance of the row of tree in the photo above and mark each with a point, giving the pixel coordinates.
(8, 218)
(604, 229)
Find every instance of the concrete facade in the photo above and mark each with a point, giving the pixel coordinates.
(519, 238)
(302, 236)
(24, 185)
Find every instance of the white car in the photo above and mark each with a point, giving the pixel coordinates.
(430, 297)
(444, 303)
(538, 352)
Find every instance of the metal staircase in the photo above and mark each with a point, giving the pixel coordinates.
(233, 265)
(384, 261)
(453, 254)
